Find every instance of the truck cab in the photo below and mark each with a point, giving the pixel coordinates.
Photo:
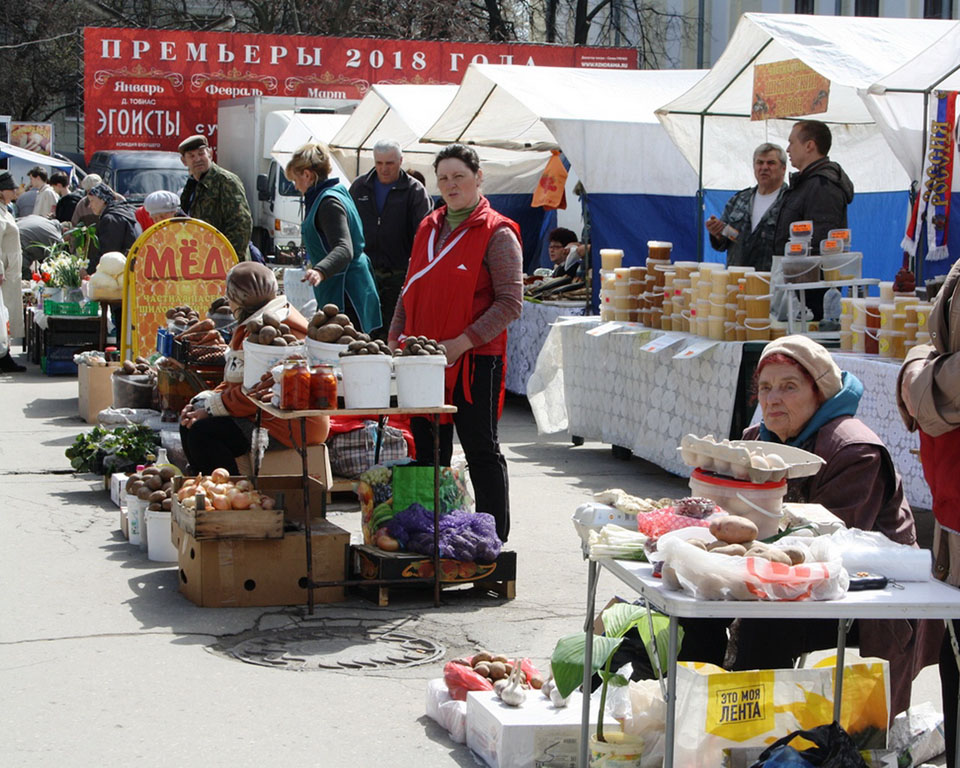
(135, 174)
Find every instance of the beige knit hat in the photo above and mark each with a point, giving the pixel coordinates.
(812, 356)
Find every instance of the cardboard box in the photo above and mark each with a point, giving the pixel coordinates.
(118, 488)
(268, 572)
(534, 734)
(95, 389)
(287, 461)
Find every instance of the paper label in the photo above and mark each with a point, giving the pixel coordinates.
(696, 349)
(661, 342)
(603, 329)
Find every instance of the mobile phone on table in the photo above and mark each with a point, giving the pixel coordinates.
(861, 580)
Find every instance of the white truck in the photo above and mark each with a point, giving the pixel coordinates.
(249, 133)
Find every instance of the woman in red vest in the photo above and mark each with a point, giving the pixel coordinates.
(929, 401)
(464, 286)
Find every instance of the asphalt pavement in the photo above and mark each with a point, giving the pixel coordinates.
(104, 663)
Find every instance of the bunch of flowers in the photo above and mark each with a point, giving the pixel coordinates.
(61, 269)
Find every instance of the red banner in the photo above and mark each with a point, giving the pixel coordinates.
(148, 89)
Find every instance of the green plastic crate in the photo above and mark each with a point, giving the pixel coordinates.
(71, 308)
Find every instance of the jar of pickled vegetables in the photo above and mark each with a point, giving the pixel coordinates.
(323, 388)
(295, 385)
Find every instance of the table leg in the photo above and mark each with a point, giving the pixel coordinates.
(308, 523)
(593, 574)
(843, 626)
(671, 724)
(436, 510)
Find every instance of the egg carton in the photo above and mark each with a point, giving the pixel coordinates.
(755, 460)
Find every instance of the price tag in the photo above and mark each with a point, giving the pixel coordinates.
(573, 320)
(603, 329)
(696, 349)
(661, 342)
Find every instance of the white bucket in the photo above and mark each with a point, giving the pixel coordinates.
(420, 380)
(322, 353)
(160, 548)
(260, 358)
(135, 509)
(366, 381)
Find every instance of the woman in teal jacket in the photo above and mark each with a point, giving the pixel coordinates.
(332, 233)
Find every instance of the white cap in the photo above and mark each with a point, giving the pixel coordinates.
(161, 202)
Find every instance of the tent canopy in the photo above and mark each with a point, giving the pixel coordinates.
(897, 100)
(403, 113)
(9, 150)
(852, 52)
(302, 127)
(602, 119)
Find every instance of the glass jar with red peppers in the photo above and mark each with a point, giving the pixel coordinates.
(323, 388)
(295, 385)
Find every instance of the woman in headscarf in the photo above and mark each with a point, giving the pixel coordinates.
(10, 265)
(117, 228)
(340, 271)
(217, 425)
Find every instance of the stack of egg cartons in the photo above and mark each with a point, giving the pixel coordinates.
(610, 260)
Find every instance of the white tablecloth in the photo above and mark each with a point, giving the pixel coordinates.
(646, 401)
(525, 337)
(878, 410)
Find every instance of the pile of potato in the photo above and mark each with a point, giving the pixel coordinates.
(138, 367)
(420, 345)
(270, 330)
(220, 310)
(737, 536)
(332, 326)
(153, 485)
(496, 667)
(182, 316)
(360, 347)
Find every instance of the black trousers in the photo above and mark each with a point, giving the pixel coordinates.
(768, 644)
(476, 424)
(389, 285)
(214, 442)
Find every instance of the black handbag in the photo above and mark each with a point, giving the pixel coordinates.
(834, 748)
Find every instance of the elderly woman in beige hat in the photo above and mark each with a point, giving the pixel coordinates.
(809, 403)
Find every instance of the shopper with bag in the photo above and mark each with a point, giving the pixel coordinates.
(464, 287)
(928, 396)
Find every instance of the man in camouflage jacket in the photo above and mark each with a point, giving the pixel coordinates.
(215, 196)
(747, 226)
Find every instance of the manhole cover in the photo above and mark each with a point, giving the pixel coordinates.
(356, 646)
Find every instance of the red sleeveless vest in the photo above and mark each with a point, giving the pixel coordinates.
(448, 288)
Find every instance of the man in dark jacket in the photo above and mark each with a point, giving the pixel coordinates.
(819, 191)
(117, 229)
(391, 205)
(68, 200)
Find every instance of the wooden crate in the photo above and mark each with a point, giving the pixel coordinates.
(246, 524)
(369, 562)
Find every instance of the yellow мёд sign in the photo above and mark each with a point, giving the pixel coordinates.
(788, 89)
(175, 262)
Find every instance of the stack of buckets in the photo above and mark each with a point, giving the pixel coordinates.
(888, 326)
(611, 259)
(634, 294)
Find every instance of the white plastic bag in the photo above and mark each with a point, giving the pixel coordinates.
(647, 719)
(917, 734)
(711, 576)
(447, 712)
(873, 552)
(4, 337)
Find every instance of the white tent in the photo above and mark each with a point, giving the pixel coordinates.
(34, 158)
(403, 113)
(639, 187)
(712, 127)
(298, 128)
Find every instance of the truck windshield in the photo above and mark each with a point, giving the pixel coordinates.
(139, 182)
(286, 187)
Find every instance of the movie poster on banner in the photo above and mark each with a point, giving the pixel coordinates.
(150, 88)
(931, 209)
(788, 89)
(175, 262)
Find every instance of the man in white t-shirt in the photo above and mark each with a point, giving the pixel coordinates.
(47, 198)
(747, 226)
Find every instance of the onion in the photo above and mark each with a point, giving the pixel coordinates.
(220, 475)
(241, 500)
(231, 494)
(268, 503)
(220, 501)
(244, 485)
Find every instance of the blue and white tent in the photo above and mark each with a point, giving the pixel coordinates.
(638, 185)
(711, 123)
